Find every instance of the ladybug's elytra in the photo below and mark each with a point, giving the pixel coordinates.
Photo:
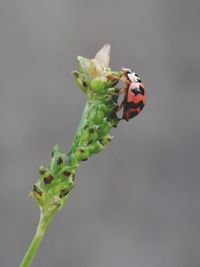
(135, 94)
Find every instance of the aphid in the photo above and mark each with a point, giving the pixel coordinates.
(63, 193)
(67, 173)
(59, 161)
(37, 190)
(135, 94)
(48, 179)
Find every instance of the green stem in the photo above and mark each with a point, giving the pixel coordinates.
(80, 126)
(45, 219)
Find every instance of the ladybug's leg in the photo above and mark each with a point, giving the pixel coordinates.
(121, 105)
(127, 83)
(122, 91)
(124, 79)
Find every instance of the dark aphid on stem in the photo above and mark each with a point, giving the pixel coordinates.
(66, 173)
(59, 161)
(89, 143)
(48, 179)
(37, 190)
(63, 193)
(73, 176)
(42, 170)
(91, 130)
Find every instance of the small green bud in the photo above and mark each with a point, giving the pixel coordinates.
(96, 147)
(98, 85)
(106, 139)
(97, 115)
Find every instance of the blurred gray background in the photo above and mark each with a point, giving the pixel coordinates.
(137, 203)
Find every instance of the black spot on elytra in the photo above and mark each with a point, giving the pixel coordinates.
(129, 105)
(142, 90)
(139, 80)
(48, 179)
(133, 114)
(141, 104)
(135, 91)
(138, 91)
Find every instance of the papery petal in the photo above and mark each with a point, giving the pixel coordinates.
(96, 68)
(103, 55)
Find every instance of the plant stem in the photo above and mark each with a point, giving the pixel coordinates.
(45, 219)
(56, 181)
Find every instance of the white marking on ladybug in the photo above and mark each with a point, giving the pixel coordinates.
(133, 77)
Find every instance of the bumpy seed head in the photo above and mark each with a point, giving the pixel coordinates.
(54, 182)
(97, 81)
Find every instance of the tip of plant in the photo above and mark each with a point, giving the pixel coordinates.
(103, 55)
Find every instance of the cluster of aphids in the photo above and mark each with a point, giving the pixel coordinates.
(58, 179)
(58, 174)
(134, 94)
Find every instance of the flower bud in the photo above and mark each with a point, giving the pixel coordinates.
(97, 66)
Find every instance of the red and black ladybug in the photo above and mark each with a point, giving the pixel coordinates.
(135, 94)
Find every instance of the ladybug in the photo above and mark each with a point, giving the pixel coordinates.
(134, 94)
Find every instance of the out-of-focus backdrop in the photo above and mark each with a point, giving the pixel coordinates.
(137, 203)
